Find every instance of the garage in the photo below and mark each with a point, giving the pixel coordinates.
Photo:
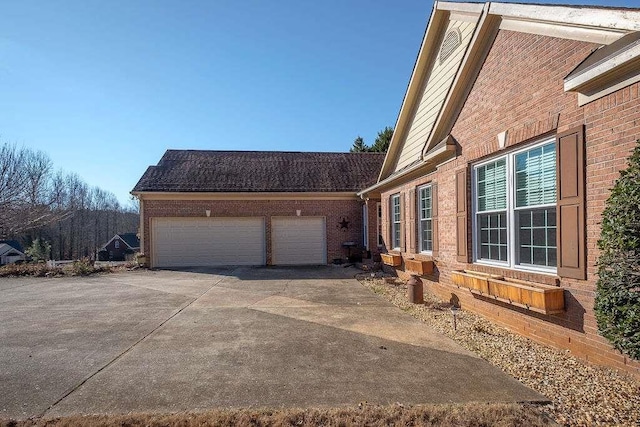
(196, 242)
(298, 240)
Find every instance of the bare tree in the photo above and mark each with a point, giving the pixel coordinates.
(36, 203)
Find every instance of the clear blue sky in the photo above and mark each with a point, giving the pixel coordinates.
(105, 87)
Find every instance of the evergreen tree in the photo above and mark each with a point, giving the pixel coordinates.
(617, 304)
(359, 146)
(381, 144)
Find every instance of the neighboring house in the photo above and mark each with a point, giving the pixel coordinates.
(10, 252)
(515, 124)
(121, 247)
(209, 208)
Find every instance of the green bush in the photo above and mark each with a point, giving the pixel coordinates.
(617, 304)
(82, 267)
(39, 250)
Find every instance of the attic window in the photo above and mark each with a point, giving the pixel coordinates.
(451, 41)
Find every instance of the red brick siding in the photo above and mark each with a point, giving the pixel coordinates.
(520, 89)
(333, 210)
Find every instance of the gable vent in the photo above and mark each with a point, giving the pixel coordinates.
(451, 41)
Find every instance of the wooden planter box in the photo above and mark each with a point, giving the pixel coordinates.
(474, 280)
(418, 267)
(392, 259)
(536, 297)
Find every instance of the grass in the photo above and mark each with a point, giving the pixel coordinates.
(499, 415)
(82, 267)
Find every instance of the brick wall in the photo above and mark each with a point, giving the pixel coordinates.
(333, 210)
(520, 90)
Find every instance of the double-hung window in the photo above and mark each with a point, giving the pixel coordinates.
(515, 209)
(395, 221)
(425, 218)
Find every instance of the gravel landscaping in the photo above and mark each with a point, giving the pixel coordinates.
(582, 394)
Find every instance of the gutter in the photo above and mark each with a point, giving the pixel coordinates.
(445, 150)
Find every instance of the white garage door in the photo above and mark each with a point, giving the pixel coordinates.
(298, 240)
(195, 242)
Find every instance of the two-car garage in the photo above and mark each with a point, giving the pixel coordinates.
(218, 241)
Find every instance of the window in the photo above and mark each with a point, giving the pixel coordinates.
(395, 221)
(116, 244)
(365, 226)
(380, 235)
(515, 209)
(425, 220)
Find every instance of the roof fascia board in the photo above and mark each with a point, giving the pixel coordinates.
(586, 98)
(431, 161)
(617, 61)
(405, 175)
(571, 32)
(469, 8)
(426, 56)
(160, 195)
(622, 20)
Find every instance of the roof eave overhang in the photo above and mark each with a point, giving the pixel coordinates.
(194, 195)
(429, 162)
(617, 68)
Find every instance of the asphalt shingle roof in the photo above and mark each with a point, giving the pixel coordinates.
(130, 239)
(261, 171)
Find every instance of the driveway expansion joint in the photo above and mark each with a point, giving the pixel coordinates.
(127, 350)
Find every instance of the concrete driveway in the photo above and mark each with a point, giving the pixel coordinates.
(243, 337)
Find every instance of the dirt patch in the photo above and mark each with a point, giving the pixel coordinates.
(396, 415)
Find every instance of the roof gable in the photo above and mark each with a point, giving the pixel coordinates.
(13, 243)
(6, 249)
(260, 171)
(594, 24)
(445, 61)
(129, 239)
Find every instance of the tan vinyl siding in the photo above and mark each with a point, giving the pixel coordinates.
(433, 96)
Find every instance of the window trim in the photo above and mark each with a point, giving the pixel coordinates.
(510, 211)
(379, 232)
(365, 226)
(116, 244)
(419, 218)
(393, 223)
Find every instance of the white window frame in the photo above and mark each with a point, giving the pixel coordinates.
(379, 232)
(395, 224)
(116, 244)
(510, 212)
(365, 225)
(420, 219)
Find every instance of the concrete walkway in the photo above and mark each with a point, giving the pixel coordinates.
(245, 337)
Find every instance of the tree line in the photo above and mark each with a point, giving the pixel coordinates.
(380, 145)
(38, 202)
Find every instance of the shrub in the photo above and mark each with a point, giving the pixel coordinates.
(39, 250)
(617, 304)
(82, 267)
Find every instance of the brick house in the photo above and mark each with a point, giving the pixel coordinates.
(207, 208)
(515, 124)
(120, 247)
